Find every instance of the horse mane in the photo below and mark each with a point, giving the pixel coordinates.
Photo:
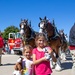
(51, 30)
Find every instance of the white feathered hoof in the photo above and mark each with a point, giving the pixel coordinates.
(63, 56)
(73, 65)
(58, 67)
(52, 66)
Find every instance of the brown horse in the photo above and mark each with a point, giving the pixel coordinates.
(64, 46)
(28, 34)
(53, 36)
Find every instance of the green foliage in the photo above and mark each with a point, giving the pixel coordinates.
(8, 30)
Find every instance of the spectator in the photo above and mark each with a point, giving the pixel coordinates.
(1, 47)
(72, 43)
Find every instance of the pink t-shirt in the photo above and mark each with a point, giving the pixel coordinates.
(42, 68)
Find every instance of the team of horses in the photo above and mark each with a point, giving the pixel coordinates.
(56, 39)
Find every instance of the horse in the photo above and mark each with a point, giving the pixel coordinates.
(28, 34)
(53, 37)
(64, 40)
(52, 34)
(64, 45)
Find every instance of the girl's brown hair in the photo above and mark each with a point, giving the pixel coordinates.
(40, 35)
(29, 47)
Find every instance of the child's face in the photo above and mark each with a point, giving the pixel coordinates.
(28, 53)
(41, 42)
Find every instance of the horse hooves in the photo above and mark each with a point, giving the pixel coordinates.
(52, 67)
(58, 68)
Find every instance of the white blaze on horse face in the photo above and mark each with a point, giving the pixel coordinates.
(61, 33)
(66, 37)
(22, 31)
(22, 26)
(41, 27)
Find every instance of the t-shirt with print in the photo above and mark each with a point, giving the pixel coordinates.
(27, 66)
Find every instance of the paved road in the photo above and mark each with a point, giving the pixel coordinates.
(8, 62)
(67, 68)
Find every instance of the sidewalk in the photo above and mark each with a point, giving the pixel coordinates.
(8, 62)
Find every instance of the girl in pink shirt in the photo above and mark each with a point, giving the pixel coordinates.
(41, 62)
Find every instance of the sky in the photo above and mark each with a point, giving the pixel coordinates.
(62, 11)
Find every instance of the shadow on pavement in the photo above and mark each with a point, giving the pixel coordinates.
(8, 64)
(67, 64)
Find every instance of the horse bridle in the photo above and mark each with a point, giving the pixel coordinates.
(22, 25)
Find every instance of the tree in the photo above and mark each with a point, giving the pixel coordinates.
(8, 30)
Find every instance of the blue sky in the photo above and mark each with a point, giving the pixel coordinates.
(62, 11)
